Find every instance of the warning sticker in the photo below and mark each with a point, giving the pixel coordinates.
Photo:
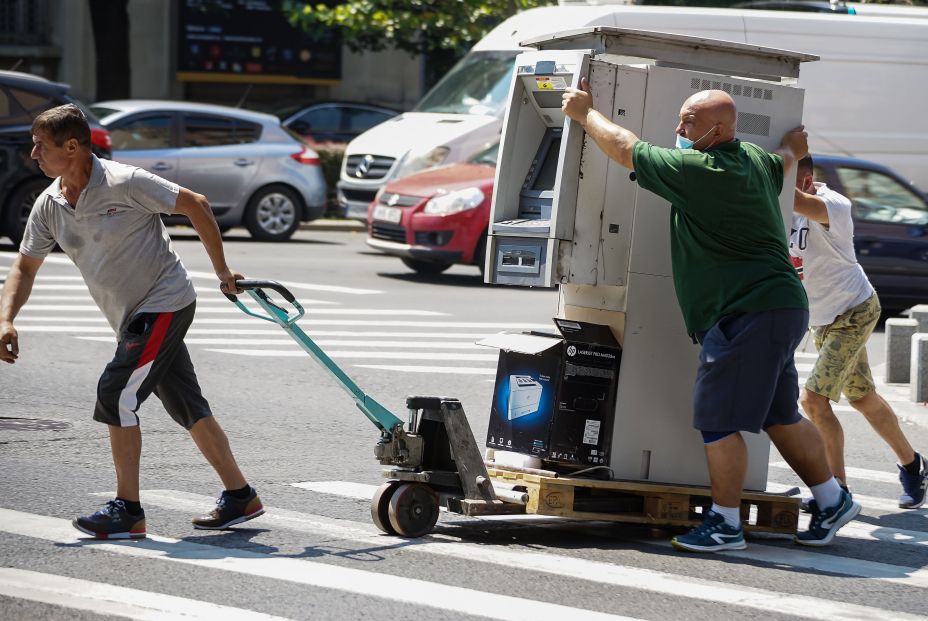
(591, 432)
(550, 83)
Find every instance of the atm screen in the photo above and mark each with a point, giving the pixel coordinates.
(548, 171)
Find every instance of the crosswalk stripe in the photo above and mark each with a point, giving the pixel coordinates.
(855, 530)
(321, 343)
(885, 505)
(371, 355)
(299, 571)
(202, 301)
(272, 331)
(299, 286)
(112, 600)
(303, 323)
(559, 565)
(230, 309)
(423, 369)
(853, 473)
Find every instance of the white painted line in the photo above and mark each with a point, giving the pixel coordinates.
(272, 330)
(229, 309)
(797, 557)
(430, 370)
(298, 571)
(202, 302)
(875, 503)
(112, 600)
(806, 355)
(802, 368)
(346, 489)
(370, 355)
(853, 473)
(547, 562)
(303, 323)
(300, 285)
(322, 343)
(48, 259)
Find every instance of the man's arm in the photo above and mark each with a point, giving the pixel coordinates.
(615, 141)
(196, 208)
(16, 291)
(810, 206)
(793, 147)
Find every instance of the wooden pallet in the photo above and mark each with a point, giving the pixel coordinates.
(643, 503)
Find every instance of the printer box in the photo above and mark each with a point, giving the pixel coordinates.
(554, 396)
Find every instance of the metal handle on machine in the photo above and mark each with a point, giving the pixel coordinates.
(276, 314)
(376, 413)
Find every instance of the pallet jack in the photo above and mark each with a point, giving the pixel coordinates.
(432, 460)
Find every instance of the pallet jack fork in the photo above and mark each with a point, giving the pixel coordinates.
(432, 459)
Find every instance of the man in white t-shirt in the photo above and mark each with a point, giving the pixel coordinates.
(843, 310)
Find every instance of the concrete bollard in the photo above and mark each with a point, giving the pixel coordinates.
(920, 314)
(899, 349)
(918, 375)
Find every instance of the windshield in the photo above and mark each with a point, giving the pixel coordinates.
(101, 112)
(488, 156)
(478, 84)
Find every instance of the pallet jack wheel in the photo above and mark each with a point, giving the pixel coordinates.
(380, 506)
(413, 510)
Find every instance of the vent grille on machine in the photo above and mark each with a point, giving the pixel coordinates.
(735, 90)
(755, 124)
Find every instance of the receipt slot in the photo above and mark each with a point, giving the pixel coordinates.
(564, 214)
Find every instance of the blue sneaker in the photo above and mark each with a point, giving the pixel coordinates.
(113, 521)
(711, 536)
(826, 522)
(914, 487)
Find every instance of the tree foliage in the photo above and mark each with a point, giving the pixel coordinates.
(415, 26)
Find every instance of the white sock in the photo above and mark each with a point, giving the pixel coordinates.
(732, 515)
(827, 494)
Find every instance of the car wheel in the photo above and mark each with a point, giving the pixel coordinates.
(20, 206)
(273, 213)
(425, 267)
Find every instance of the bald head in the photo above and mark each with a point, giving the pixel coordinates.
(708, 118)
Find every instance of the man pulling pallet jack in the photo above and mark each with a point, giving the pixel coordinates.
(740, 298)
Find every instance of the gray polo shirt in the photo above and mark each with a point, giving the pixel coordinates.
(115, 237)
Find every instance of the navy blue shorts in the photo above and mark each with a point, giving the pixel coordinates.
(747, 378)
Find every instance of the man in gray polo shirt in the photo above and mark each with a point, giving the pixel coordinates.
(106, 218)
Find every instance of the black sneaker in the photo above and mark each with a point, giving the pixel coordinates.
(826, 522)
(230, 511)
(913, 486)
(805, 503)
(113, 521)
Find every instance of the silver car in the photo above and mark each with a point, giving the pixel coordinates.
(254, 172)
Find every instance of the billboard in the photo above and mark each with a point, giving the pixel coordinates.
(250, 41)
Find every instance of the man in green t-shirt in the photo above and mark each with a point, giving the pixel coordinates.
(741, 301)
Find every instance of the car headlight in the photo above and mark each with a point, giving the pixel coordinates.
(454, 202)
(414, 162)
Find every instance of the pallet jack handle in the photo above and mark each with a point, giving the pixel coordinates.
(385, 420)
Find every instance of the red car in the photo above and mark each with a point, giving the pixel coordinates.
(436, 218)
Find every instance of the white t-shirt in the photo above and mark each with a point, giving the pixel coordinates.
(116, 239)
(834, 281)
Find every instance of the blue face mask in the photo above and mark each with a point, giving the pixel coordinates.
(685, 143)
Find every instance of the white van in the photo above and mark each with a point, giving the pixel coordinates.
(863, 98)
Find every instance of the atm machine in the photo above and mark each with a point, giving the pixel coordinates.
(565, 215)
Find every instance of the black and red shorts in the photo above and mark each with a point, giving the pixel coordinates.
(151, 358)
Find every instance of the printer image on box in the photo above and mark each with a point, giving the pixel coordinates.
(524, 395)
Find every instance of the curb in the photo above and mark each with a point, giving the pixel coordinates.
(334, 224)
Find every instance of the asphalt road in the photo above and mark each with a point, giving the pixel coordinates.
(309, 452)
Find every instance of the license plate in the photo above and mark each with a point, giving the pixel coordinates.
(389, 214)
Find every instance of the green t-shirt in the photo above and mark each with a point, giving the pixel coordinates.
(728, 244)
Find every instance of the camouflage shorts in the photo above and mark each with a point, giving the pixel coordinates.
(842, 364)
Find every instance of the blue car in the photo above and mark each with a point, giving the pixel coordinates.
(890, 227)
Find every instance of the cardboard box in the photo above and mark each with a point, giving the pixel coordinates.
(554, 396)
